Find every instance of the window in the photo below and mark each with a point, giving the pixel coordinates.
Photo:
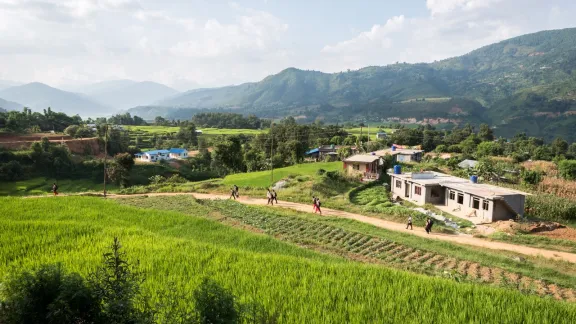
(485, 204)
(418, 190)
(461, 198)
(476, 203)
(356, 167)
(398, 184)
(434, 193)
(452, 195)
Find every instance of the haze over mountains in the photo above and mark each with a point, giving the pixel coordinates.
(99, 99)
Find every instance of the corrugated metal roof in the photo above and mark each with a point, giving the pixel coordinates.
(362, 158)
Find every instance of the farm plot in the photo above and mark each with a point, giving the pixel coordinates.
(369, 248)
(298, 285)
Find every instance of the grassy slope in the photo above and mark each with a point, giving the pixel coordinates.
(262, 179)
(300, 286)
(43, 186)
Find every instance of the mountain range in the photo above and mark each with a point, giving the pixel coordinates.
(99, 99)
(526, 83)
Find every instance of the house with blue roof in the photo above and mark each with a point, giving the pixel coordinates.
(157, 155)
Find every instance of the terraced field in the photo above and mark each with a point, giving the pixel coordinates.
(368, 248)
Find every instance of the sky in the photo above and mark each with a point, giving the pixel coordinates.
(189, 44)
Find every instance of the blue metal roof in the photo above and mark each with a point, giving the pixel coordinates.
(177, 150)
(312, 151)
(156, 152)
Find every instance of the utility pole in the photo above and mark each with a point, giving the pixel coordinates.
(272, 154)
(368, 132)
(105, 156)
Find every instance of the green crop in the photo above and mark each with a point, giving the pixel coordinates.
(300, 285)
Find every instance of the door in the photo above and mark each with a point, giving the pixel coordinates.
(407, 189)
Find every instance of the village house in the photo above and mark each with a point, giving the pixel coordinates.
(158, 155)
(480, 203)
(381, 135)
(364, 165)
(320, 153)
(401, 154)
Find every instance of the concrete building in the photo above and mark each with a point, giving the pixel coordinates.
(402, 155)
(364, 165)
(480, 203)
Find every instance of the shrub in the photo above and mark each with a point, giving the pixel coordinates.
(48, 295)
(567, 169)
(215, 304)
(157, 179)
(320, 172)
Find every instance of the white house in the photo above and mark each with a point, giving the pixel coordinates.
(153, 156)
(480, 203)
(178, 153)
(157, 155)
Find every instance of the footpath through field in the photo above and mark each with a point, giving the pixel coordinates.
(455, 238)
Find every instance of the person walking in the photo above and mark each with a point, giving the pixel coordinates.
(269, 196)
(314, 207)
(275, 196)
(236, 191)
(318, 203)
(232, 194)
(55, 189)
(430, 225)
(409, 223)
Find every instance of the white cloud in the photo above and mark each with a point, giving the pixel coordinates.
(453, 27)
(253, 31)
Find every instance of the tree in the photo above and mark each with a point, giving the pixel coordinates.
(344, 152)
(559, 146)
(488, 149)
(255, 160)
(486, 133)
(117, 285)
(187, 135)
(71, 130)
(119, 169)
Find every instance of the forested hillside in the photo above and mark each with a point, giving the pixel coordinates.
(521, 84)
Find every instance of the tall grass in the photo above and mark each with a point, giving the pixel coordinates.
(301, 286)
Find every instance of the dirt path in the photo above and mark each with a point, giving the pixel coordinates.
(458, 238)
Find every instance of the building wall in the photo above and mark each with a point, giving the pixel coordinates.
(517, 203)
(466, 208)
(501, 212)
(350, 168)
(403, 158)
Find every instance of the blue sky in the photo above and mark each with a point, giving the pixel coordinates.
(200, 43)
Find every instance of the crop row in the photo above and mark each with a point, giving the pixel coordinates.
(364, 247)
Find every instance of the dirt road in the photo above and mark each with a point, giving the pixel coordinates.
(458, 238)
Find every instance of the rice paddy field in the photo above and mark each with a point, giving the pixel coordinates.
(296, 284)
(364, 131)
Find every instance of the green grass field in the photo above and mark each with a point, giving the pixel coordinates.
(205, 131)
(262, 179)
(364, 131)
(298, 285)
(43, 186)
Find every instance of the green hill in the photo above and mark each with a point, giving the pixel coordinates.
(497, 84)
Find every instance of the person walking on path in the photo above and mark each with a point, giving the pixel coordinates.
(314, 207)
(275, 196)
(269, 196)
(409, 223)
(232, 194)
(429, 223)
(318, 203)
(55, 189)
(236, 191)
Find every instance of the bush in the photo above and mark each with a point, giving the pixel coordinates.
(215, 304)
(320, 172)
(567, 169)
(48, 295)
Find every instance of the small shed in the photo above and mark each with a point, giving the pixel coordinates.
(468, 164)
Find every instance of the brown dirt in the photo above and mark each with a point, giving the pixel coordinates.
(77, 146)
(566, 233)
